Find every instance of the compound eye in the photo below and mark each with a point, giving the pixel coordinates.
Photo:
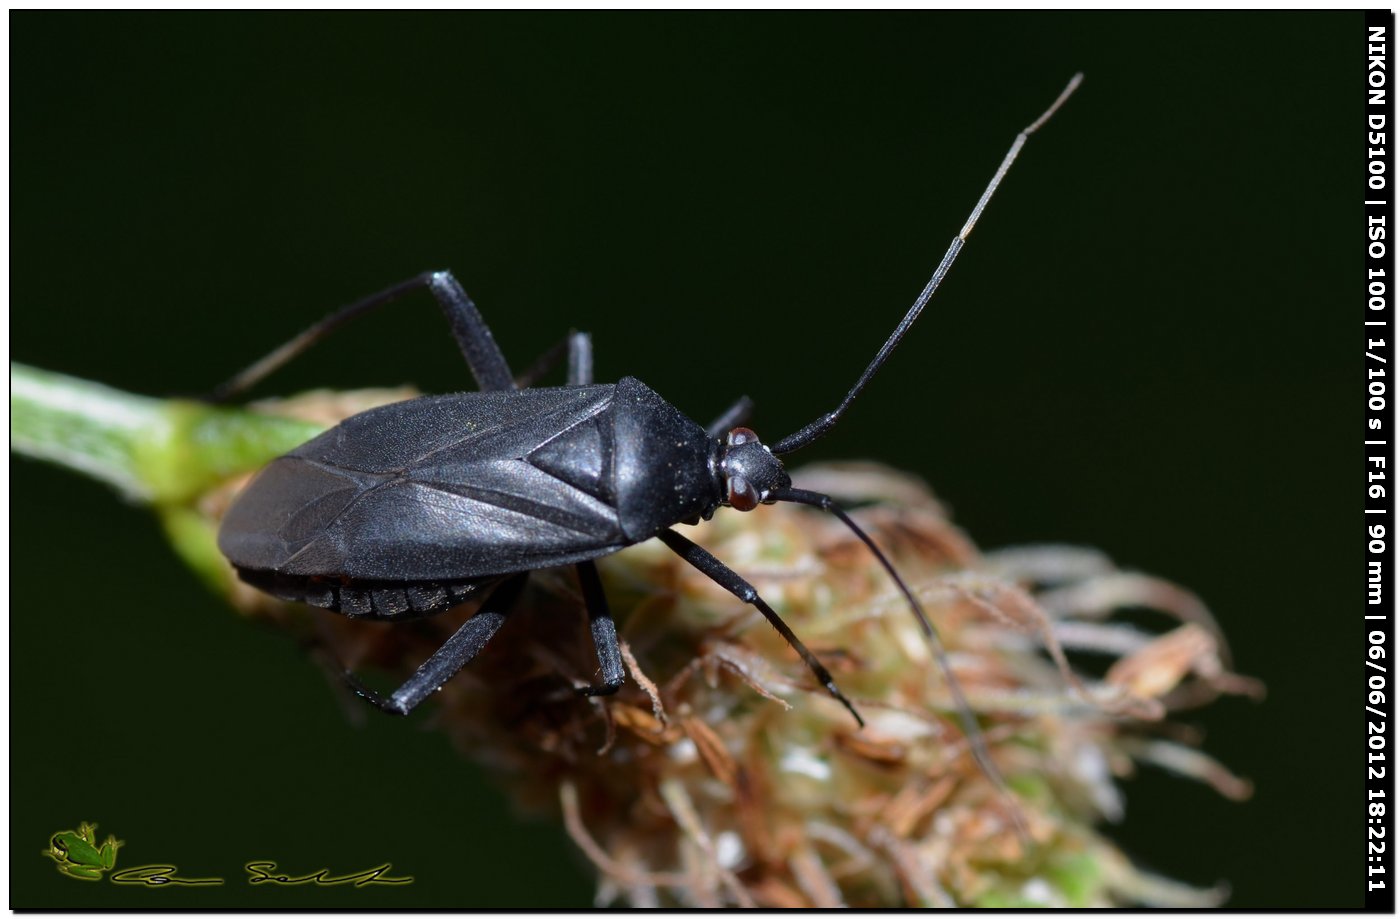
(742, 436)
(742, 495)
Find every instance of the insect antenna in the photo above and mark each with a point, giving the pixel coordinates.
(823, 424)
(971, 730)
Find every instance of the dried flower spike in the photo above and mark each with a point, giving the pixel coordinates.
(722, 775)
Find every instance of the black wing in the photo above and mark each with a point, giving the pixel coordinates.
(438, 488)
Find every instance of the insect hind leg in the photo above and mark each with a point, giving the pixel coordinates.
(456, 653)
(484, 358)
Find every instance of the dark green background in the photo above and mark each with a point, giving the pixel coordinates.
(1149, 346)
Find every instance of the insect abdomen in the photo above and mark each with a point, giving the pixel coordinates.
(370, 599)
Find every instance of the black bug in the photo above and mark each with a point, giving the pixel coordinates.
(411, 508)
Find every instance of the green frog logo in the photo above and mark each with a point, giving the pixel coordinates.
(77, 854)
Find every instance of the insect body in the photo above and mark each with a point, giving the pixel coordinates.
(434, 494)
(410, 508)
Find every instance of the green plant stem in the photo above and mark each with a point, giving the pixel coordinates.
(154, 451)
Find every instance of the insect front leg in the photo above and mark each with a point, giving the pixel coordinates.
(604, 630)
(733, 582)
(446, 661)
(484, 358)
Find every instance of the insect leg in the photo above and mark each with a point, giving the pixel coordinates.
(579, 348)
(446, 661)
(542, 365)
(580, 359)
(600, 623)
(733, 416)
(484, 358)
(731, 581)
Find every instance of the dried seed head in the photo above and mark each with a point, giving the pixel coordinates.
(721, 775)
